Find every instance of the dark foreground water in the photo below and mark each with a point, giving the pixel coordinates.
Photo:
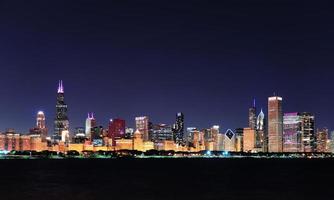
(166, 179)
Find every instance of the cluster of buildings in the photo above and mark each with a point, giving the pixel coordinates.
(277, 133)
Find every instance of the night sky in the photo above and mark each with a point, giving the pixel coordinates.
(156, 58)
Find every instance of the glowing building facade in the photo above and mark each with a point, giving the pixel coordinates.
(322, 137)
(61, 123)
(275, 124)
(162, 132)
(178, 129)
(248, 140)
(142, 125)
(229, 140)
(41, 125)
(252, 116)
(90, 123)
(292, 132)
(261, 137)
(116, 130)
(308, 129)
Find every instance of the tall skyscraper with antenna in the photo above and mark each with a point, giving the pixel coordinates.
(61, 122)
(90, 123)
(252, 116)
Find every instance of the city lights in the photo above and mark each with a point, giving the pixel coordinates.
(282, 135)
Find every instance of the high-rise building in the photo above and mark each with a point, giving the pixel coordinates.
(239, 134)
(129, 133)
(40, 120)
(116, 130)
(275, 124)
(308, 132)
(90, 123)
(260, 140)
(61, 123)
(79, 135)
(97, 135)
(41, 125)
(331, 145)
(292, 132)
(252, 116)
(217, 138)
(190, 135)
(178, 129)
(162, 132)
(322, 137)
(229, 140)
(2, 142)
(249, 140)
(142, 125)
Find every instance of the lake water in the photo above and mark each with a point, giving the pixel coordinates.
(145, 179)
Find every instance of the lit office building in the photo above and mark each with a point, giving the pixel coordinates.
(142, 125)
(252, 116)
(249, 140)
(162, 132)
(2, 142)
(41, 124)
(308, 129)
(275, 124)
(61, 123)
(331, 147)
(79, 135)
(178, 129)
(292, 132)
(197, 140)
(129, 133)
(239, 133)
(216, 138)
(322, 137)
(229, 140)
(116, 130)
(90, 123)
(190, 135)
(261, 137)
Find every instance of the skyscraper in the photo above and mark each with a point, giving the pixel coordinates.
(252, 116)
(322, 137)
(261, 136)
(239, 134)
(162, 132)
(248, 140)
(178, 129)
(90, 123)
(229, 140)
(61, 123)
(308, 132)
(217, 138)
(275, 124)
(40, 120)
(292, 132)
(142, 125)
(116, 130)
(41, 125)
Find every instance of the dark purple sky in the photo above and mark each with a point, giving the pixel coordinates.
(130, 58)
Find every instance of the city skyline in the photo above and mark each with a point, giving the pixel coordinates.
(254, 115)
(166, 99)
